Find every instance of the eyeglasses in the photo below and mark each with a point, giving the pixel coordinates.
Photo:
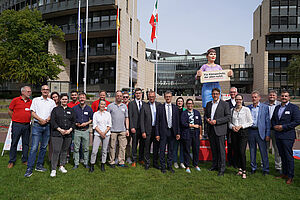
(125, 97)
(239, 99)
(45, 89)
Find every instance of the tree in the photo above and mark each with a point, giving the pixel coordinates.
(294, 72)
(24, 40)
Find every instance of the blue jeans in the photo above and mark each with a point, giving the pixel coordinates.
(40, 134)
(175, 151)
(254, 139)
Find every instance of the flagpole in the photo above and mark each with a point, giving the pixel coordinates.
(78, 43)
(131, 60)
(156, 57)
(117, 49)
(86, 44)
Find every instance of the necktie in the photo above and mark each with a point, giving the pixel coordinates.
(169, 117)
(140, 105)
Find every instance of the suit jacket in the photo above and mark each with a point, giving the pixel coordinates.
(146, 118)
(263, 120)
(161, 124)
(134, 114)
(290, 118)
(230, 104)
(222, 117)
(185, 131)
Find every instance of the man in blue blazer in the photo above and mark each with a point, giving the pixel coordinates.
(259, 132)
(191, 134)
(167, 129)
(285, 118)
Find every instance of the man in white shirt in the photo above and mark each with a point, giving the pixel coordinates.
(41, 109)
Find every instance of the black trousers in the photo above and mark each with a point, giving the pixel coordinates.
(136, 139)
(155, 147)
(164, 141)
(217, 145)
(230, 150)
(194, 141)
(145, 143)
(239, 144)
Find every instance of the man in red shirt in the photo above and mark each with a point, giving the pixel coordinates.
(74, 97)
(19, 111)
(95, 104)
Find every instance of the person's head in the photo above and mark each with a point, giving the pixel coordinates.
(285, 96)
(26, 92)
(255, 95)
(211, 55)
(138, 93)
(102, 95)
(45, 91)
(215, 93)
(233, 92)
(168, 96)
(102, 105)
(180, 102)
(151, 96)
(74, 95)
(190, 104)
(239, 99)
(55, 97)
(82, 98)
(119, 96)
(64, 99)
(272, 95)
(125, 97)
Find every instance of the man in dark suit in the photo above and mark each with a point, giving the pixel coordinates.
(134, 108)
(285, 118)
(148, 119)
(217, 115)
(167, 129)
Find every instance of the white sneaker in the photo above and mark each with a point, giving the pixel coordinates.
(182, 166)
(62, 169)
(129, 160)
(53, 173)
(176, 166)
(116, 161)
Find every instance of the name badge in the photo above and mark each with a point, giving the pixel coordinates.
(287, 112)
(27, 109)
(68, 112)
(86, 113)
(123, 109)
(197, 117)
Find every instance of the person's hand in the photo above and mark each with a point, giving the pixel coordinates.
(234, 129)
(278, 127)
(196, 126)
(144, 135)
(267, 138)
(157, 138)
(103, 135)
(42, 122)
(199, 73)
(213, 122)
(78, 125)
(191, 125)
(127, 133)
(208, 120)
(200, 136)
(133, 130)
(177, 137)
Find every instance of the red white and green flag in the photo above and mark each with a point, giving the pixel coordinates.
(153, 21)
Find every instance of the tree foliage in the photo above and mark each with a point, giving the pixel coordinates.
(24, 40)
(294, 71)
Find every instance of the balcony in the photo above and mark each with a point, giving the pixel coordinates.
(99, 26)
(282, 46)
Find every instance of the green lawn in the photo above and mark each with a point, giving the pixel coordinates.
(137, 183)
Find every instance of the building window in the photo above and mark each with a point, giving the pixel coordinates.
(127, 5)
(256, 46)
(130, 26)
(137, 49)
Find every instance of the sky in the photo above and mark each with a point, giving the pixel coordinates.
(198, 25)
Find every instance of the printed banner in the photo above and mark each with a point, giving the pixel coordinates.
(7, 143)
(215, 76)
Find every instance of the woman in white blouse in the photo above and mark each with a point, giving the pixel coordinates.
(241, 119)
(101, 126)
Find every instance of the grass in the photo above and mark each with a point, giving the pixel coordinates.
(137, 183)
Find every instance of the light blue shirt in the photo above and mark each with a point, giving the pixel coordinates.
(281, 109)
(153, 112)
(254, 113)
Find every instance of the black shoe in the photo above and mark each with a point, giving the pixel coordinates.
(86, 166)
(102, 167)
(163, 171)
(75, 167)
(265, 173)
(147, 167)
(171, 170)
(221, 174)
(92, 168)
(253, 172)
(111, 165)
(213, 169)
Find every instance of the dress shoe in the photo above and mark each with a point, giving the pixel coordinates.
(253, 172)
(221, 174)
(91, 168)
(265, 173)
(141, 162)
(213, 169)
(102, 167)
(289, 181)
(111, 165)
(133, 164)
(75, 167)
(171, 170)
(282, 176)
(163, 171)
(86, 166)
(10, 165)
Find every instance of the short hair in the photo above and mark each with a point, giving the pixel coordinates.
(82, 93)
(190, 100)
(102, 91)
(273, 91)
(285, 91)
(53, 93)
(216, 89)
(240, 96)
(151, 91)
(64, 95)
(100, 103)
(168, 92)
(125, 92)
(23, 88)
(233, 88)
(74, 91)
(138, 89)
(181, 99)
(255, 92)
(43, 86)
(119, 91)
(210, 51)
